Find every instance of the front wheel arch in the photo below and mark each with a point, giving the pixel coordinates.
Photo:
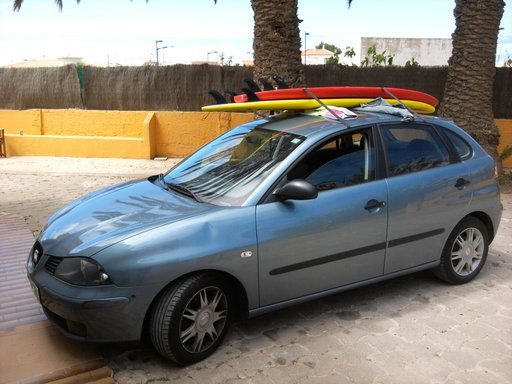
(242, 307)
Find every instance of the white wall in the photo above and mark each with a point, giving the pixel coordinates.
(425, 51)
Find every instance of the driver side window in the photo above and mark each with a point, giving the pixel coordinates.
(346, 160)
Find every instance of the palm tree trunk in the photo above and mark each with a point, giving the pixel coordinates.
(469, 85)
(276, 41)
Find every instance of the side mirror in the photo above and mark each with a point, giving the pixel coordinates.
(296, 190)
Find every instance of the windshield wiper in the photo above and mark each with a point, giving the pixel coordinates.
(180, 188)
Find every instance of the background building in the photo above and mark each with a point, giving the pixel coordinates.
(59, 62)
(426, 51)
(316, 56)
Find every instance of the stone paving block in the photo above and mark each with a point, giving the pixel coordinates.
(213, 376)
(354, 354)
(257, 363)
(464, 358)
(320, 344)
(500, 367)
(258, 379)
(331, 378)
(383, 342)
(479, 376)
(358, 373)
(402, 377)
(288, 373)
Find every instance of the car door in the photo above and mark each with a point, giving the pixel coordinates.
(427, 193)
(338, 238)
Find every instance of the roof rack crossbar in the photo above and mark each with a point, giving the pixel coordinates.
(399, 101)
(325, 106)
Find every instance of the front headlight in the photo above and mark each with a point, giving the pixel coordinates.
(81, 271)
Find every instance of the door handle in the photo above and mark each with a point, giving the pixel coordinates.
(374, 204)
(461, 183)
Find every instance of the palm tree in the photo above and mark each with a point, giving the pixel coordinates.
(276, 42)
(469, 85)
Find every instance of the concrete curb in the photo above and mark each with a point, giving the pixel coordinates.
(38, 354)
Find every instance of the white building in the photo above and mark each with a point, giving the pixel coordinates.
(426, 51)
(316, 56)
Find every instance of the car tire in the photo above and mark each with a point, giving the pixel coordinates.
(465, 252)
(191, 317)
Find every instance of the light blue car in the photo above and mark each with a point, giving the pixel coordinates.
(272, 213)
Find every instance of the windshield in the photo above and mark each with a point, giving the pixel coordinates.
(228, 170)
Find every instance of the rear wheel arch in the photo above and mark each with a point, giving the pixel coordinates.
(239, 291)
(484, 218)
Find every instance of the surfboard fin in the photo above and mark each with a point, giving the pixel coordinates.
(251, 96)
(281, 84)
(230, 95)
(266, 85)
(252, 85)
(219, 99)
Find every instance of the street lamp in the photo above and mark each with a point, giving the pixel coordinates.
(208, 56)
(306, 34)
(156, 47)
(162, 49)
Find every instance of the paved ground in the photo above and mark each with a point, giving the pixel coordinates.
(413, 329)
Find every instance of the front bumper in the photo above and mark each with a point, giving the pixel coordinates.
(105, 313)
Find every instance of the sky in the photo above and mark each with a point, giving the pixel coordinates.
(124, 32)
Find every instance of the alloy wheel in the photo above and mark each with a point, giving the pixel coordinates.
(467, 251)
(203, 319)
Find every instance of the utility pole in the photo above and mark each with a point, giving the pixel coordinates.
(162, 49)
(306, 34)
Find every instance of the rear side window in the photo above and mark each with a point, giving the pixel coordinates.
(460, 145)
(413, 148)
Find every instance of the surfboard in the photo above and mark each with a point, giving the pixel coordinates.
(340, 92)
(273, 105)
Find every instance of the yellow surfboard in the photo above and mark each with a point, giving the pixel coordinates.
(270, 105)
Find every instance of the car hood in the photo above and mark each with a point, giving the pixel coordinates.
(96, 221)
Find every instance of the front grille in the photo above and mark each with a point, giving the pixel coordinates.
(52, 263)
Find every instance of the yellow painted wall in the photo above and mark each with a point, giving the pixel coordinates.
(130, 134)
(80, 122)
(24, 122)
(505, 128)
(180, 133)
(123, 134)
(76, 146)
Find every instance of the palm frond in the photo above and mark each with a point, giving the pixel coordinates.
(16, 6)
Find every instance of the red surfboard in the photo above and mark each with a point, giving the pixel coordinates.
(340, 93)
